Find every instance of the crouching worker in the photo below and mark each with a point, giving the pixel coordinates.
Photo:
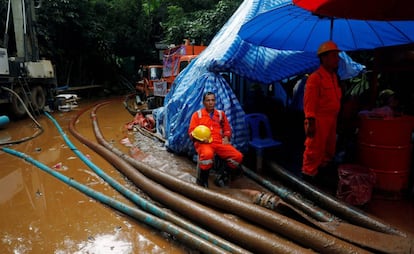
(210, 130)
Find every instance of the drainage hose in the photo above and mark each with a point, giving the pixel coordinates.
(305, 235)
(249, 236)
(351, 213)
(291, 197)
(144, 204)
(355, 234)
(31, 117)
(182, 235)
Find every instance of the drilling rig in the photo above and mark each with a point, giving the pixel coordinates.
(27, 82)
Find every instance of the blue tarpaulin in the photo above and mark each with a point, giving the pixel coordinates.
(228, 53)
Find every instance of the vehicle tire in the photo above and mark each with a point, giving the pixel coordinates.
(38, 98)
(16, 107)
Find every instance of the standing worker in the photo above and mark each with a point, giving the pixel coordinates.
(322, 101)
(211, 132)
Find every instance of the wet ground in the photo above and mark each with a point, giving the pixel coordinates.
(41, 214)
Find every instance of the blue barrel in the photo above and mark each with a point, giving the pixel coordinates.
(4, 120)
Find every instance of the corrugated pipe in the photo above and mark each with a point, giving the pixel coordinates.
(298, 232)
(145, 204)
(323, 199)
(162, 225)
(249, 236)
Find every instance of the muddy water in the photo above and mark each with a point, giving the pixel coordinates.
(41, 214)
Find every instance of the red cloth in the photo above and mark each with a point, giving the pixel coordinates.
(146, 122)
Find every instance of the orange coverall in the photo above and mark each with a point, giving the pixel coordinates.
(322, 101)
(219, 129)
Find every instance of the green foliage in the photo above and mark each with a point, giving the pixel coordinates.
(201, 25)
(87, 39)
(359, 85)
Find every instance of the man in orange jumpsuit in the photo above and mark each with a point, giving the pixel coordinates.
(322, 101)
(219, 144)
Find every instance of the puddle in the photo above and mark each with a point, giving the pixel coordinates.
(40, 214)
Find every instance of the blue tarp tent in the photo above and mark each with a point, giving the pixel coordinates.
(228, 53)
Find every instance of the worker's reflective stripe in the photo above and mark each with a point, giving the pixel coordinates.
(206, 162)
(219, 112)
(233, 163)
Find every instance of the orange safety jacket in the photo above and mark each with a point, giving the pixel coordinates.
(218, 124)
(322, 101)
(322, 94)
(220, 127)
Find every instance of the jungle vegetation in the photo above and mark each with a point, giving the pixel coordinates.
(99, 41)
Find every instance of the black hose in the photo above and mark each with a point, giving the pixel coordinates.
(292, 198)
(328, 222)
(351, 213)
(36, 134)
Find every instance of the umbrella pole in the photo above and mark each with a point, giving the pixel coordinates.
(331, 31)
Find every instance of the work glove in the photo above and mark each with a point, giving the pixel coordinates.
(310, 127)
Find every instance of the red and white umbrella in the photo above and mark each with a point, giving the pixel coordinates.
(361, 9)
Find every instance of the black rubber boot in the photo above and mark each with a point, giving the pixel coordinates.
(202, 177)
(223, 178)
(238, 172)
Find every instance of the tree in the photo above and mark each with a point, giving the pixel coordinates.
(87, 39)
(200, 25)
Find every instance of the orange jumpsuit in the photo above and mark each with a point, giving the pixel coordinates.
(220, 128)
(322, 101)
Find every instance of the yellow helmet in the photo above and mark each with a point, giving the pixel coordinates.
(327, 46)
(202, 133)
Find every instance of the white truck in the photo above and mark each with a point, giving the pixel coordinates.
(24, 77)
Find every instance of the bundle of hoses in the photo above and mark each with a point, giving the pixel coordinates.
(256, 240)
(184, 231)
(182, 235)
(248, 236)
